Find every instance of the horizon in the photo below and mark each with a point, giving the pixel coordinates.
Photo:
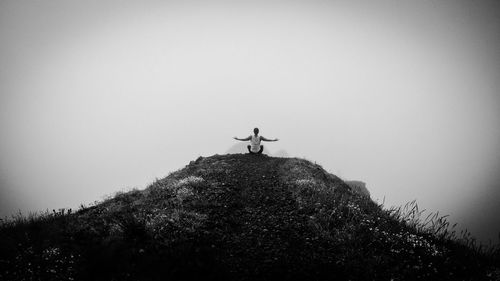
(104, 96)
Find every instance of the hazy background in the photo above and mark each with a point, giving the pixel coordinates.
(101, 96)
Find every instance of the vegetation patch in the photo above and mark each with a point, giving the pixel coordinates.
(242, 217)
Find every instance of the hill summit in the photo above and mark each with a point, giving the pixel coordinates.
(236, 217)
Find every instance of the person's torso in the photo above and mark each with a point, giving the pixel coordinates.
(255, 142)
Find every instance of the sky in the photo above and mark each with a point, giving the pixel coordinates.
(102, 96)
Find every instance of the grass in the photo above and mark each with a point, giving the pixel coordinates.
(215, 220)
(439, 227)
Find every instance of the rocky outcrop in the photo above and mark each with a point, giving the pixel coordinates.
(358, 187)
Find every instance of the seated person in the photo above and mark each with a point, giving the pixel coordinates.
(255, 147)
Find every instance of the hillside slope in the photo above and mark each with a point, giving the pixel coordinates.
(235, 217)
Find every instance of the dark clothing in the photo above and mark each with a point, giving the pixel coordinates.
(258, 152)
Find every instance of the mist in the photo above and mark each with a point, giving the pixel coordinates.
(102, 96)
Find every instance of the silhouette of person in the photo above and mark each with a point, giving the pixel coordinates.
(255, 147)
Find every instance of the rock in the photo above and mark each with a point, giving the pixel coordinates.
(358, 187)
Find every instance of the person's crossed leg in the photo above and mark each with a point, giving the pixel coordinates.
(258, 152)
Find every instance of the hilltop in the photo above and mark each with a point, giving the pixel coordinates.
(237, 217)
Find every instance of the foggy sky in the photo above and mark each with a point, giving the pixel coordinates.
(102, 96)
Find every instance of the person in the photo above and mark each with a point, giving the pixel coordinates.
(255, 147)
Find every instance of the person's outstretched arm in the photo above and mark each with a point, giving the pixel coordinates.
(264, 139)
(245, 139)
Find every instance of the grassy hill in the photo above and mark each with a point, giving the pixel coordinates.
(241, 217)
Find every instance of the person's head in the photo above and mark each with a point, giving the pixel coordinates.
(256, 131)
